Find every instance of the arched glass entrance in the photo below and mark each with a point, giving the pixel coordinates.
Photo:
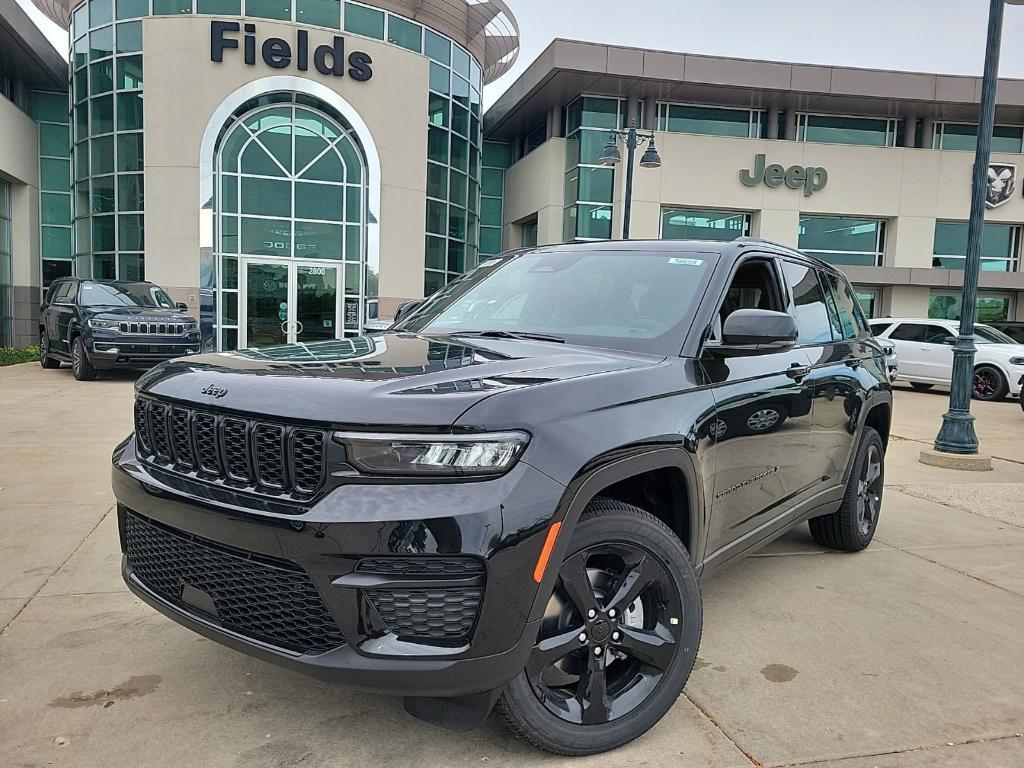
(290, 213)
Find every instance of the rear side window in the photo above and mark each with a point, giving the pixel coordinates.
(925, 334)
(880, 328)
(809, 306)
(66, 290)
(844, 310)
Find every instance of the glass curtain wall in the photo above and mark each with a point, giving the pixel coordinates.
(50, 111)
(964, 136)
(497, 158)
(1000, 244)
(699, 224)
(6, 309)
(711, 121)
(841, 129)
(589, 186)
(991, 308)
(843, 240)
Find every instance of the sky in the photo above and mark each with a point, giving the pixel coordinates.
(946, 36)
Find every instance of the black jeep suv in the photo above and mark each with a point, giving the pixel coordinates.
(512, 493)
(102, 324)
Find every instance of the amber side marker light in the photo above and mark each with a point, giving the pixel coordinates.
(545, 553)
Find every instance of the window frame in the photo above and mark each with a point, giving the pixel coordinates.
(892, 125)
(791, 298)
(756, 120)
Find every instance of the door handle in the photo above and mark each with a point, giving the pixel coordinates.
(798, 372)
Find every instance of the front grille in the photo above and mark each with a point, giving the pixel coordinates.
(422, 566)
(436, 614)
(273, 458)
(273, 601)
(146, 329)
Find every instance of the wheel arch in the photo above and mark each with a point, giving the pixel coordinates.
(671, 470)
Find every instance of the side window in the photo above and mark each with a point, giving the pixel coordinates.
(809, 307)
(936, 334)
(755, 285)
(880, 328)
(50, 293)
(909, 332)
(844, 309)
(66, 290)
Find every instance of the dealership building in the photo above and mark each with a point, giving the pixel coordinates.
(293, 169)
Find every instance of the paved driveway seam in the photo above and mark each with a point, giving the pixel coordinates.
(947, 745)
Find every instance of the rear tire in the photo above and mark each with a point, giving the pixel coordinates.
(989, 384)
(918, 387)
(80, 364)
(44, 353)
(585, 696)
(852, 527)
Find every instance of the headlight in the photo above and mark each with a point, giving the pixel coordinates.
(1017, 361)
(434, 455)
(191, 327)
(95, 323)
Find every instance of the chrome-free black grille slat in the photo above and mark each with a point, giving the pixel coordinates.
(268, 600)
(427, 613)
(271, 458)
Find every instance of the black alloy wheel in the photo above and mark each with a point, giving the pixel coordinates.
(44, 353)
(81, 366)
(989, 384)
(851, 528)
(618, 639)
(869, 491)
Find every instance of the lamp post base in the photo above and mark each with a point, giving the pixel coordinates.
(963, 462)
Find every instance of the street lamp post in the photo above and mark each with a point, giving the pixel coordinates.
(957, 434)
(611, 156)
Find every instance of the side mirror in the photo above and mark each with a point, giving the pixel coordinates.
(407, 308)
(749, 332)
(182, 306)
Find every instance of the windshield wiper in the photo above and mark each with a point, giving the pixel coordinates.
(512, 335)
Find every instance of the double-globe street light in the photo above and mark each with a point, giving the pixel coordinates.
(957, 435)
(610, 156)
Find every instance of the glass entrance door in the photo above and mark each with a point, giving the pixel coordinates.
(265, 305)
(288, 303)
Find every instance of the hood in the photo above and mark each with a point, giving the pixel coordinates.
(138, 314)
(391, 379)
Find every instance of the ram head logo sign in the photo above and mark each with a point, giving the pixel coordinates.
(1002, 182)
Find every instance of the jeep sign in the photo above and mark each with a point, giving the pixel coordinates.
(811, 179)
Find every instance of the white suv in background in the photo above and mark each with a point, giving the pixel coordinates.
(925, 351)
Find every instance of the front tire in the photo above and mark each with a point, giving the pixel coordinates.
(989, 384)
(44, 353)
(618, 640)
(80, 364)
(852, 527)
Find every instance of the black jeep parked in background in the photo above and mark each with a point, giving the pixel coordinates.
(101, 324)
(512, 493)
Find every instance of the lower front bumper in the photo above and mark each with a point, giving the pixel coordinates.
(500, 523)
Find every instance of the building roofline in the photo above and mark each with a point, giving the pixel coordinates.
(25, 50)
(628, 70)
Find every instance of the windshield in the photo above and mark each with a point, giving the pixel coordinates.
(985, 335)
(124, 295)
(638, 301)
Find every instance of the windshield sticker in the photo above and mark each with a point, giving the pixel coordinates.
(687, 262)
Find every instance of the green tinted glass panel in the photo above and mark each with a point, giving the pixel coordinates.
(354, 205)
(456, 223)
(170, 7)
(833, 233)
(595, 221)
(364, 21)
(318, 241)
(103, 233)
(327, 168)
(437, 110)
(490, 210)
(692, 224)
(497, 155)
(437, 181)
(437, 145)
(129, 37)
(129, 72)
(56, 243)
(129, 192)
(404, 33)
(103, 155)
(440, 79)
(229, 242)
(590, 145)
(101, 77)
(710, 121)
(81, 121)
(278, 141)
(435, 253)
(131, 266)
(433, 282)
(80, 20)
(255, 160)
(80, 84)
(308, 147)
(266, 197)
(997, 241)
(269, 9)
(437, 217)
(460, 61)
(130, 232)
(221, 7)
(229, 307)
(81, 52)
(460, 90)
(81, 160)
(353, 162)
(595, 184)
(100, 12)
(129, 151)
(102, 114)
(129, 111)
(599, 113)
(1005, 138)
(493, 182)
(436, 47)
(353, 242)
(460, 153)
(460, 120)
(101, 43)
(456, 256)
(318, 201)
(457, 188)
(322, 13)
(266, 237)
(490, 240)
(49, 107)
(102, 194)
(103, 267)
(55, 175)
(352, 275)
(53, 140)
(55, 208)
(132, 9)
(846, 130)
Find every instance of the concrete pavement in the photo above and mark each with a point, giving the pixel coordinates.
(906, 655)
